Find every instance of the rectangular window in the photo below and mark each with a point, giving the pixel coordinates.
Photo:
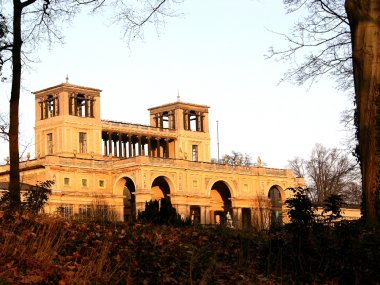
(50, 143)
(84, 182)
(194, 152)
(66, 181)
(65, 210)
(82, 142)
(101, 183)
(85, 212)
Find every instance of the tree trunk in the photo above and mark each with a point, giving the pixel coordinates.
(14, 173)
(364, 18)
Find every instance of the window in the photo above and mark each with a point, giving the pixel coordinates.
(85, 212)
(165, 120)
(101, 183)
(82, 142)
(193, 119)
(84, 182)
(50, 143)
(49, 107)
(81, 105)
(65, 210)
(66, 181)
(194, 152)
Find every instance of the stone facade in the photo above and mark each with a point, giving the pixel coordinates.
(123, 165)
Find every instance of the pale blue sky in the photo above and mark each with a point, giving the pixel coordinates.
(213, 54)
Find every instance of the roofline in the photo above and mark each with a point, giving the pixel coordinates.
(24, 169)
(66, 85)
(178, 103)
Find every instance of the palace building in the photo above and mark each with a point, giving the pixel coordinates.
(123, 165)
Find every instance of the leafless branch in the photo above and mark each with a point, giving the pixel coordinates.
(318, 45)
(4, 128)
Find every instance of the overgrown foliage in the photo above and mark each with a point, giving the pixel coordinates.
(98, 211)
(333, 207)
(43, 250)
(300, 208)
(161, 213)
(35, 197)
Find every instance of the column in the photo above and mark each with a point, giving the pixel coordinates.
(133, 149)
(166, 148)
(75, 105)
(236, 217)
(158, 147)
(143, 149)
(105, 147)
(115, 148)
(207, 215)
(71, 104)
(46, 109)
(185, 122)
(56, 105)
(92, 107)
(86, 106)
(129, 146)
(198, 121)
(120, 146)
(42, 109)
(139, 145)
(124, 149)
(202, 122)
(149, 146)
(109, 143)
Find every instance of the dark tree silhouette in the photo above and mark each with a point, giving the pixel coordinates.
(339, 38)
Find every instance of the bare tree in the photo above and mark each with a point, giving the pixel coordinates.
(339, 38)
(298, 166)
(31, 21)
(322, 39)
(237, 159)
(4, 128)
(329, 172)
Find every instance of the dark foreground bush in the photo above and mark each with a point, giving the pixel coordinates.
(161, 213)
(45, 250)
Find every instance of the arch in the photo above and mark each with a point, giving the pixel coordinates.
(161, 188)
(126, 187)
(220, 202)
(276, 196)
(229, 184)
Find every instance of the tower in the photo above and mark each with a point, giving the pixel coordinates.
(190, 121)
(68, 121)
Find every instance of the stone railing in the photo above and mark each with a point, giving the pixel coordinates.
(115, 162)
(252, 170)
(135, 128)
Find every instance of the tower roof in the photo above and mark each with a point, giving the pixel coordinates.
(67, 86)
(180, 105)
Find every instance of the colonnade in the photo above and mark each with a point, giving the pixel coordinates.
(192, 120)
(125, 145)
